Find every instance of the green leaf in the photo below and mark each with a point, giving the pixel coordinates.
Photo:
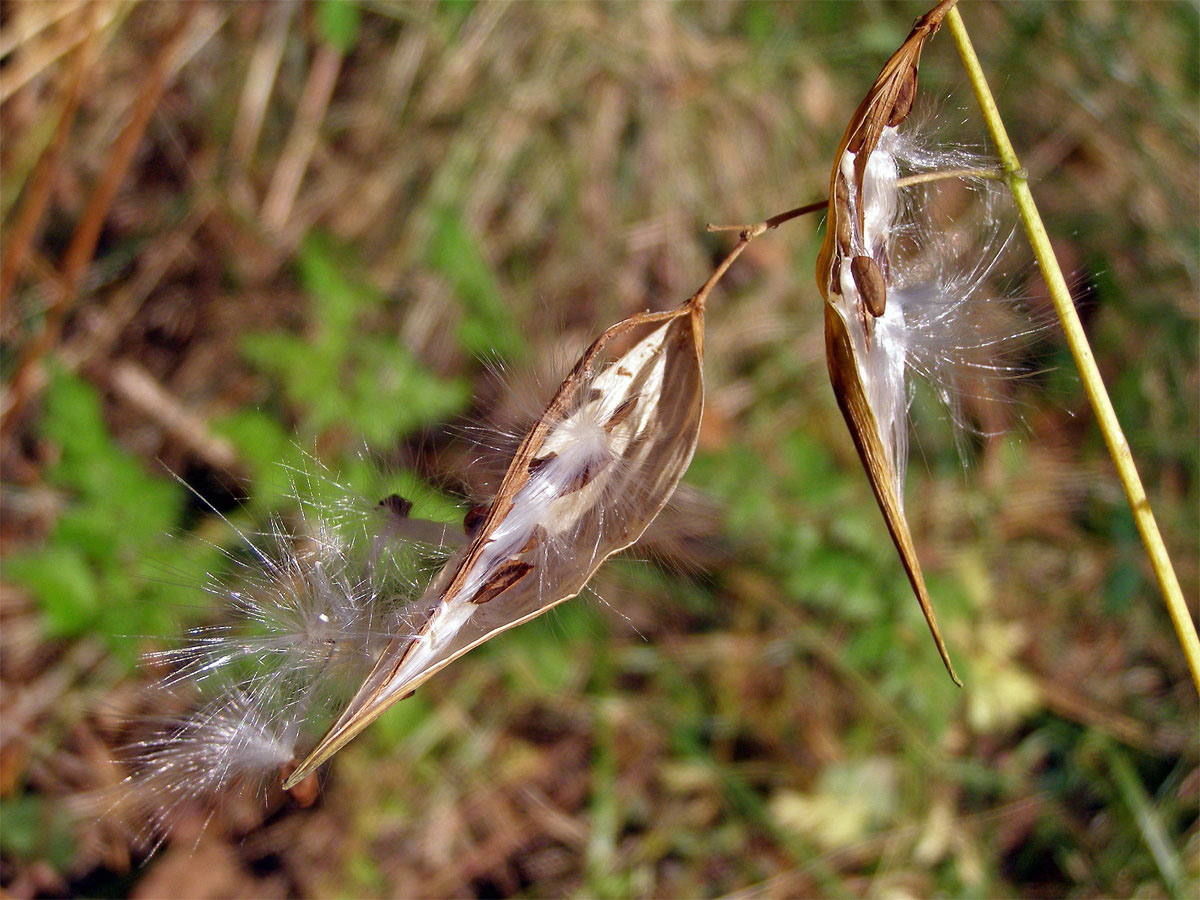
(337, 300)
(72, 417)
(32, 829)
(393, 395)
(64, 585)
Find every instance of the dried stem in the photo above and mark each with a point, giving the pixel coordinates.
(1118, 446)
(302, 140)
(775, 221)
(925, 177)
(820, 205)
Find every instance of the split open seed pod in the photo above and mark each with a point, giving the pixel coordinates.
(592, 473)
(864, 346)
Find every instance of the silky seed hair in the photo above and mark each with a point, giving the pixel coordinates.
(948, 318)
(308, 607)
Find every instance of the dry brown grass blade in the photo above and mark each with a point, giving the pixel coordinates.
(886, 104)
(45, 52)
(302, 140)
(260, 81)
(26, 27)
(38, 194)
(87, 232)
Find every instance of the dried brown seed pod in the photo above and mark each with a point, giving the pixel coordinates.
(592, 473)
(855, 306)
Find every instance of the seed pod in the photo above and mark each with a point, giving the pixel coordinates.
(867, 375)
(594, 470)
(906, 93)
(843, 228)
(842, 359)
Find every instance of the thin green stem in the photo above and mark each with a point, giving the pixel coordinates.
(1118, 446)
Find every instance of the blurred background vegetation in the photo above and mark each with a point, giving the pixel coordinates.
(258, 230)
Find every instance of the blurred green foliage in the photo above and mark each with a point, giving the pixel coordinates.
(349, 374)
(487, 329)
(105, 569)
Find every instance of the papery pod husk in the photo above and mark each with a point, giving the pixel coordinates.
(888, 102)
(659, 386)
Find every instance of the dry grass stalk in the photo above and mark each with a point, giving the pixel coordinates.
(87, 233)
(1085, 361)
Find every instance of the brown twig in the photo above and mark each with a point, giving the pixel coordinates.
(774, 222)
(140, 389)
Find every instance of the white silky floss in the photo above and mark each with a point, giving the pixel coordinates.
(884, 358)
(939, 321)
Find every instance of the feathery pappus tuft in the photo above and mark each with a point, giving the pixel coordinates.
(192, 763)
(941, 312)
(302, 619)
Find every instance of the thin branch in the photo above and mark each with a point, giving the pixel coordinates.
(140, 389)
(818, 205)
(1118, 446)
(775, 221)
(989, 174)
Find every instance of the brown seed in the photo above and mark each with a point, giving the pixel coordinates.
(503, 578)
(537, 462)
(835, 276)
(538, 536)
(905, 94)
(474, 518)
(396, 505)
(869, 281)
(841, 190)
(585, 476)
(841, 215)
(305, 793)
(620, 414)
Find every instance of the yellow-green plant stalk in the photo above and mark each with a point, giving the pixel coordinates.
(1118, 446)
